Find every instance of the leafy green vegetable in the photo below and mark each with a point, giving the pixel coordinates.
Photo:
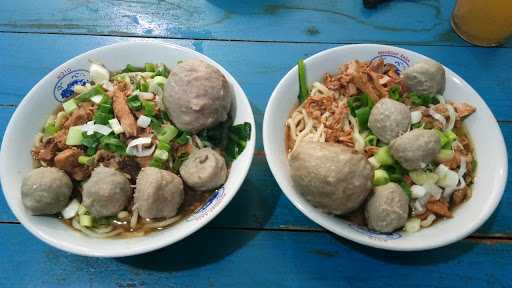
(143, 85)
(164, 146)
(232, 139)
(162, 70)
(102, 118)
(406, 187)
(112, 143)
(396, 172)
(131, 68)
(362, 116)
(178, 162)
(149, 108)
(182, 138)
(157, 163)
(394, 92)
(303, 85)
(134, 103)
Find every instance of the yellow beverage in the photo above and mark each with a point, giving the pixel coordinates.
(483, 22)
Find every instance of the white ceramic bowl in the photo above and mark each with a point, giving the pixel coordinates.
(483, 128)
(30, 115)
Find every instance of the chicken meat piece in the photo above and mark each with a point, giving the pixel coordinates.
(122, 111)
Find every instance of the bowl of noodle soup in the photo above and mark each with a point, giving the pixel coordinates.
(488, 182)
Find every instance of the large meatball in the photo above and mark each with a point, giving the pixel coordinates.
(416, 148)
(197, 95)
(389, 119)
(387, 209)
(158, 193)
(106, 193)
(46, 190)
(205, 169)
(331, 177)
(425, 78)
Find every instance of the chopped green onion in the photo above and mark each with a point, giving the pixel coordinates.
(357, 102)
(112, 143)
(86, 220)
(164, 146)
(450, 135)
(155, 124)
(394, 92)
(162, 70)
(161, 154)
(370, 140)
(384, 156)
(149, 108)
(421, 177)
(50, 129)
(86, 96)
(422, 100)
(74, 136)
(380, 177)
(159, 80)
(303, 85)
(130, 68)
(183, 138)
(362, 116)
(86, 160)
(157, 163)
(474, 164)
(134, 102)
(82, 210)
(407, 188)
(69, 106)
(116, 126)
(149, 67)
(102, 118)
(143, 85)
(167, 133)
(445, 155)
(178, 162)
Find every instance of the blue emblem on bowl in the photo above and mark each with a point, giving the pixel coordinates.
(400, 60)
(374, 234)
(211, 203)
(67, 80)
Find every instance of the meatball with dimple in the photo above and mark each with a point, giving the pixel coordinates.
(389, 119)
(46, 190)
(387, 209)
(425, 78)
(197, 96)
(205, 169)
(416, 148)
(331, 176)
(106, 193)
(158, 193)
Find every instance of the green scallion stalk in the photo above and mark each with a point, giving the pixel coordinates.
(303, 86)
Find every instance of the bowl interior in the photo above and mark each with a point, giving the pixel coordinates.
(482, 126)
(42, 100)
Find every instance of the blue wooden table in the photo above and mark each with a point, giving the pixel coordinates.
(260, 239)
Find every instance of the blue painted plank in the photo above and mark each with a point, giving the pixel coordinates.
(326, 21)
(257, 66)
(238, 258)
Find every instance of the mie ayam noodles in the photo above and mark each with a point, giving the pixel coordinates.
(381, 148)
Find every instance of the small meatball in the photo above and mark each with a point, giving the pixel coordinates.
(387, 209)
(389, 119)
(331, 176)
(197, 96)
(425, 78)
(205, 169)
(46, 190)
(416, 148)
(159, 193)
(106, 193)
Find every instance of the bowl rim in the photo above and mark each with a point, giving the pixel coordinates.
(148, 246)
(367, 241)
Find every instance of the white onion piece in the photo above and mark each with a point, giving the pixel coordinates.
(88, 128)
(433, 190)
(417, 191)
(449, 180)
(374, 162)
(143, 121)
(102, 129)
(441, 99)
(416, 117)
(98, 73)
(441, 170)
(437, 116)
(97, 99)
(116, 126)
(107, 85)
(70, 210)
(453, 117)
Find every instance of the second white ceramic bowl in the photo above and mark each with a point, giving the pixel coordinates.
(482, 126)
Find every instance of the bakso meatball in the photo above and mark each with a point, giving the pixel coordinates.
(425, 78)
(45, 190)
(158, 193)
(389, 119)
(387, 209)
(331, 176)
(197, 96)
(205, 169)
(416, 148)
(106, 193)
